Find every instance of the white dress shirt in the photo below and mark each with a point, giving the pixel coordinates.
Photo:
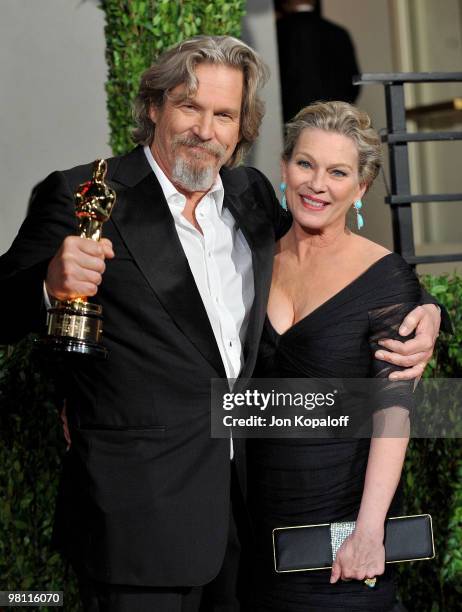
(221, 264)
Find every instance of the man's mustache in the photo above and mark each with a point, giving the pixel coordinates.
(194, 141)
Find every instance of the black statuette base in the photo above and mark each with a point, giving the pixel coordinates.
(62, 345)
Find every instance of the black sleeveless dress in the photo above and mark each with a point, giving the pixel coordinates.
(310, 481)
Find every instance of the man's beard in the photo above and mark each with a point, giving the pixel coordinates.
(193, 172)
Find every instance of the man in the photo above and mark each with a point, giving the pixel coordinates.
(330, 65)
(183, 277)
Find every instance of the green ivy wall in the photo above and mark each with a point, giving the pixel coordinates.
(433, 479)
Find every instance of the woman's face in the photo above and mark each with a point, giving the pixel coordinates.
(322, 179)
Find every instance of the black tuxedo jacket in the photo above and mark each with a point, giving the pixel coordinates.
(144, 497)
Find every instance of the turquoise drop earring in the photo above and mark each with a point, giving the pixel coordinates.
(359, 218)
(283, 188)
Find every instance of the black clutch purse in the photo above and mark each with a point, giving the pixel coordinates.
(314, 547)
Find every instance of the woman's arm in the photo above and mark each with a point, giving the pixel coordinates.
(362, 555)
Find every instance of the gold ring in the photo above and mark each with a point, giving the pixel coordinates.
(371, 582)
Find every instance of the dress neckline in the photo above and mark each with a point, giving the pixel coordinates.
(331, 298)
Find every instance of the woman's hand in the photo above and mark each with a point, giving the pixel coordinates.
(360, 556)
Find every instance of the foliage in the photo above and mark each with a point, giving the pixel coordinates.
(447, 361)
(137, 31)
(31, 448)
(433, 479)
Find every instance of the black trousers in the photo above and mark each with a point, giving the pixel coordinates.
(220, 595)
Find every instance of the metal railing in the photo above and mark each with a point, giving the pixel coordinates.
(397, 137)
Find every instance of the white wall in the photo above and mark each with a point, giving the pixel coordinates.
(52, 100)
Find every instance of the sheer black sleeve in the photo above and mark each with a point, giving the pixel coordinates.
(384, 323)
(400, 295)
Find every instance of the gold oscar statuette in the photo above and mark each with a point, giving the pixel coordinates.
(76, 326)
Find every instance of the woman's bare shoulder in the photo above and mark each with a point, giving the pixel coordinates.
(369, 251)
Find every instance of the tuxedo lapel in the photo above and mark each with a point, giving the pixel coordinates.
(146, 225)
(243, 203)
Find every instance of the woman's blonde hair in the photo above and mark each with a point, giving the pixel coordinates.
(341, 118)
(177, 65)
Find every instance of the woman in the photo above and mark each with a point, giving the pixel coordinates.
(333, 295)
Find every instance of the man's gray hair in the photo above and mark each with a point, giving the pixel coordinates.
(176, 66)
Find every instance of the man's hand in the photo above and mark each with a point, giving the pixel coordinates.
(416, 353)
(77, 268)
